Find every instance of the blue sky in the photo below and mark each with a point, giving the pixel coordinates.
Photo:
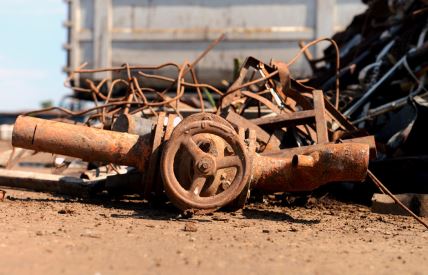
(31, 54)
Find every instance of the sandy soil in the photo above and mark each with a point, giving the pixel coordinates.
(44, 234)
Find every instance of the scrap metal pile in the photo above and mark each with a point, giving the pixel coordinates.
(267, 131)
(383, 77)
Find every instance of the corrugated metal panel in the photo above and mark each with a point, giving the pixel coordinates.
(149, 32)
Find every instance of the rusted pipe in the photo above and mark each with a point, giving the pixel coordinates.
(311, 168)
(83, 142)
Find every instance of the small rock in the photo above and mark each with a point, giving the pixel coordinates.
(266, 231)
(65, 211)
(292, 229)
(190, 227)
(39, 233)
(2, 195)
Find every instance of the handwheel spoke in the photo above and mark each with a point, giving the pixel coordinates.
(212, 189)
(229, 161)
(192, 147)
(197, 184)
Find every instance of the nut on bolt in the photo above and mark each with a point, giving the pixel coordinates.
(206, 165)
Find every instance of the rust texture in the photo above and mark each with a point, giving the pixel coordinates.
(215, 149)
(83, 142)
(311, 168)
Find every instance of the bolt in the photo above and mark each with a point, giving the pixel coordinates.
(203, 166)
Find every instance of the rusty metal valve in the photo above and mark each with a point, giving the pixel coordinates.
(205, 165)
(210, 180)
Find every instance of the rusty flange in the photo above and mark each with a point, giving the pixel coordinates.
(150, 173)
(219, 169)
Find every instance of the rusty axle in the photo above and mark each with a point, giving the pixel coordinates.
(83, 142)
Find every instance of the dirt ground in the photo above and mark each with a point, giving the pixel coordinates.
(44, 234)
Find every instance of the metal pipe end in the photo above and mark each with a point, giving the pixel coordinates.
(24, 131)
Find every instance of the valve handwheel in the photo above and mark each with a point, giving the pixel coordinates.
(204, 192)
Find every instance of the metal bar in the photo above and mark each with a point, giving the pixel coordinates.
(370, 92)
(388, 107)
(154, 157)
(42, 182)
(320, 117)
(238, 121)
(284, 120)
(340, 119)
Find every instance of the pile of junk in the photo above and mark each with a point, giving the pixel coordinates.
(360, 114)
